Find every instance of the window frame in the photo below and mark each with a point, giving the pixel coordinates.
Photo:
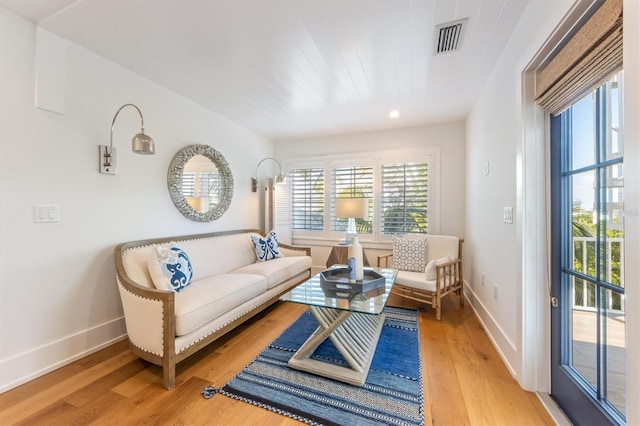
(429, 155)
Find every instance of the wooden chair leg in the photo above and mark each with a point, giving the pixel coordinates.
(437, 304)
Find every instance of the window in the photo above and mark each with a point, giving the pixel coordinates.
(351, 182)
(404, 201)
(400, 189)
(307, 199)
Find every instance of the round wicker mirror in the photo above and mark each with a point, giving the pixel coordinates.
(200, 183)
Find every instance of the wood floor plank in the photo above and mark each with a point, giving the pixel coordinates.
(464, 380)
(103, 385)
(56, 410)
(444, 387)
(46, 396)
(90, 412)
(474, 381)
(516, 404)
(150, 376)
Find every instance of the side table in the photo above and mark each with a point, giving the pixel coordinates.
(340, 254)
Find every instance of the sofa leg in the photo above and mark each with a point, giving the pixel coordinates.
(438, 312)
(169, 377)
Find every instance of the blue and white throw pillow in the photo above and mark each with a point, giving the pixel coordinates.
(170, 268)
(266, 248)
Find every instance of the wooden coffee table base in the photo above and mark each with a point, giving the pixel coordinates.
(354, 334)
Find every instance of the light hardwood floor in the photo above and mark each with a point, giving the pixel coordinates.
(465, 381)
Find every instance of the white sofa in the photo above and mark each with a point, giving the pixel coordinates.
(443, 264)
(228, 287)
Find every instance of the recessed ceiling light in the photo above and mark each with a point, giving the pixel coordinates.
(394, 113)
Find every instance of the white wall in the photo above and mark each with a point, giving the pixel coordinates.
(495, 133)
(59, 297)
(448, 137)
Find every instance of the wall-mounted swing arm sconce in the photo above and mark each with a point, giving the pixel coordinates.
(140, 144)
(279, 179)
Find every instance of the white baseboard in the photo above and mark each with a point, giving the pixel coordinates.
(501, 342)
(39, 361)
(552, 408)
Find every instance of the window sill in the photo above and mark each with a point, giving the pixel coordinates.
(322, 242)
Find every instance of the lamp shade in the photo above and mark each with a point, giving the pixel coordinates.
(352, 207)
(143, 144)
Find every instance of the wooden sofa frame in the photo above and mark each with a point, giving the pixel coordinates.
(169, 359)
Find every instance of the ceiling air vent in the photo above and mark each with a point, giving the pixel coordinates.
(448, 37)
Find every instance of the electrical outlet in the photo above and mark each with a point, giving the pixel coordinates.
(495, 291)
(482, 280)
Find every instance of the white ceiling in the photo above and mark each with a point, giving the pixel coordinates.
(291, 68)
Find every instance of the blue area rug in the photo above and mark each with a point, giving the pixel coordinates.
(392, 393)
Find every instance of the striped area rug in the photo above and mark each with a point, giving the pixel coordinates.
(392, 393)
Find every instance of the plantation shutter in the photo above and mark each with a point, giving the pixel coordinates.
(404, 199)
(351, 182)
(307, 199)
(282, 212)
(588, 59)
(188, 184)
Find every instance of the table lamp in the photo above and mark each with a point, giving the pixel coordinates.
(352, 208)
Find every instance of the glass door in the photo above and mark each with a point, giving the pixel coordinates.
(587, 249)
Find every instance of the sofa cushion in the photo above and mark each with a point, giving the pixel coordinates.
(409, 254)
(266, 247)
(170, 268)
(211, 297)
(218, 254)
(441, 246)
(277, 270)
(415, 280)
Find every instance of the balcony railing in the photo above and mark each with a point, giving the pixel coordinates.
(583, 291)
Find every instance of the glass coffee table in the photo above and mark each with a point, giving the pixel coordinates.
(351, 320)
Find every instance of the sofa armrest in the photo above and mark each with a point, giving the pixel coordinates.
(149, 312)
(384, 258)
(288, 250)
(449, 275)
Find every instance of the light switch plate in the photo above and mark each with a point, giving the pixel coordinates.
(508, 215)
(46, 213)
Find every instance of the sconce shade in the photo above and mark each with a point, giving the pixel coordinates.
(280, 179)
(352, 207)
(143, 144)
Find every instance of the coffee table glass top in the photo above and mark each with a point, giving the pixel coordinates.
(313, 293)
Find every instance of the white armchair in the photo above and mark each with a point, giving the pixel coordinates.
(442, 264)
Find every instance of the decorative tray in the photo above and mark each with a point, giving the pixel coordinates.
(351, 294)
(338, 279)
